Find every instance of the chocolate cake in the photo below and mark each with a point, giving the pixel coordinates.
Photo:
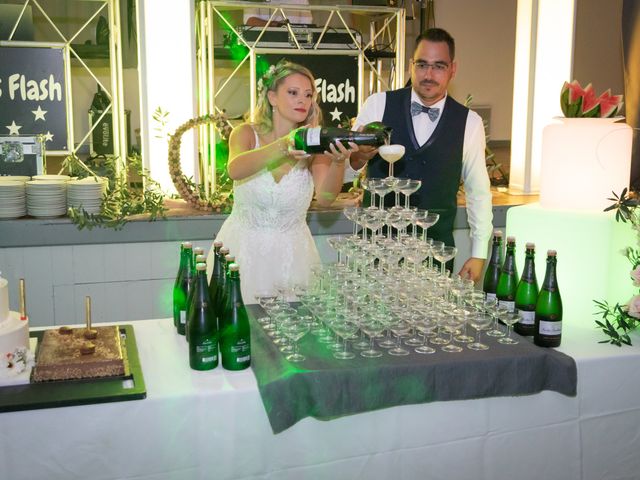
(66, 354)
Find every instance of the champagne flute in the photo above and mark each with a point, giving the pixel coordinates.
(384, 187)
(443, 255)
(426, 327)
(264, 299)
(509, 318)
(479, 321)
(372, 326)
(352, 213)
(398, 186)
(294, 329)
(426, 221)
(411, 187)
(391, 154)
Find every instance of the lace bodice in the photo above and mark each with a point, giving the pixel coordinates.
(261, 202)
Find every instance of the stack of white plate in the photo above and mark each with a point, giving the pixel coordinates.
(17, 178)
(46, 198)
(12, 199)
(49, 177)
(86, 193)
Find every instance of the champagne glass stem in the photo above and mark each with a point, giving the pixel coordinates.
(391, 169)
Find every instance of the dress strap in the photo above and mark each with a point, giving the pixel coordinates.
(255, 134)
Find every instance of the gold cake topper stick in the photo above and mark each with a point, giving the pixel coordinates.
(23, 301)
(89, 333)
(87, 309)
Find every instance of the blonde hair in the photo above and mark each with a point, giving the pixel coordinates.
(262, 118)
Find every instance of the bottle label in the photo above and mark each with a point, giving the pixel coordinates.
(183, 317)
(550, 329)
(207, 351)
(491, 296)
(508, 304)
(313, 136)
(526, 317)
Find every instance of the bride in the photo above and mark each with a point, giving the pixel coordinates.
(274, 184)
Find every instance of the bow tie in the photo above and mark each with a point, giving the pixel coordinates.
(417, 109)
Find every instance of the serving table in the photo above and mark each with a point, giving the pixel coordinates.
(213, 425)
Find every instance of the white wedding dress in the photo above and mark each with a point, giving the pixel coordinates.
(267, 231)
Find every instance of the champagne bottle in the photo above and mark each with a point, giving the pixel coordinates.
(508, 279)
(179, 288)
(318, 139)
(527, 294)
(217, 273)
(187, 285)
(235, 337)
(224, 292)
(548, 326)
(198, 259)
(220, 289)
(203, 328)
(491, 276)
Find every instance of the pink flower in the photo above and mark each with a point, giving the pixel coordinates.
(633, 308)
(635, 275)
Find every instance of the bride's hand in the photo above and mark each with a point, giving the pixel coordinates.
(291, 153)
(338, 153)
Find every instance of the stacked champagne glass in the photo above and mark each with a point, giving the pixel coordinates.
(383, 295)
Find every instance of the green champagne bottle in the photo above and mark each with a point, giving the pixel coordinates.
(491, 276)
(203, 328)
(217, 273)
(221, 288)
(548, 326)
(235, 336)
(187, 286)
(318, 139)
(527, 294)
(508, 280)
(179, 287)
(198, 259)
(224, 292)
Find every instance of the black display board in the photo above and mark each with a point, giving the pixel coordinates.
(33, 94)
(33, 396)
(336, 79)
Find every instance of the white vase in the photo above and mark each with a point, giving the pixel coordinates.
(583, 161)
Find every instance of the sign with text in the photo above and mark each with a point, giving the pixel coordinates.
(33, 94)
(336, 80)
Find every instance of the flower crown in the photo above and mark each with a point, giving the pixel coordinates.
(266, 80)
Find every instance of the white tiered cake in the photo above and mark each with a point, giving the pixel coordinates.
(15, 358)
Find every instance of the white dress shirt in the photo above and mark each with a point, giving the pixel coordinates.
(477, 186)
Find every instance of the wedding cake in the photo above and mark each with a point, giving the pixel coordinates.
(15, 358)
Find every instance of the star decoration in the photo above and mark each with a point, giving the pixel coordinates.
(48, 137)
(39, 114)
(13, 128)
(335, 115)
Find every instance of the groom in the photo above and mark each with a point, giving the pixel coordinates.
(444, 144)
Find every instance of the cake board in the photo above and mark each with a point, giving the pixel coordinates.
(33, 396)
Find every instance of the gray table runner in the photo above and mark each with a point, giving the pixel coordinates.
(324, 387)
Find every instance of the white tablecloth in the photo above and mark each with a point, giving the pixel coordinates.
(213, 425)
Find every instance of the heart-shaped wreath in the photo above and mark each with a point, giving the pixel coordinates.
(183, 185)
